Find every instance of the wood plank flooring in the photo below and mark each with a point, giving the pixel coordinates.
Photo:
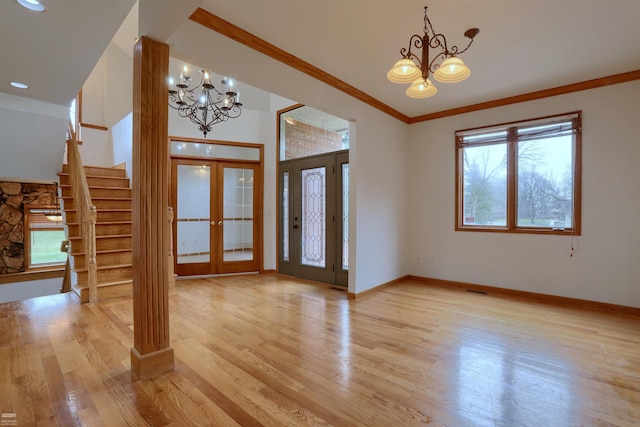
(263, 350)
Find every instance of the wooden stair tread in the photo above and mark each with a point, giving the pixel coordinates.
(99, 198)
(104, 251)
(116, 282)
(102, 210)
(107, 236)
(88, 175)
(103, 222)
(110, 168)
(104, 267)
(93, 186)
(113, 200)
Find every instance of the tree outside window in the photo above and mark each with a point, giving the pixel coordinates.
(520, 177)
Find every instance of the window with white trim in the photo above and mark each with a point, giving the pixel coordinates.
(522, 177)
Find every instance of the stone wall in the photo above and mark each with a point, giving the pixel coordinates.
(13, 198)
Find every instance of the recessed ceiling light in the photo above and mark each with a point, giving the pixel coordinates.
(32, 5)
(19, 85)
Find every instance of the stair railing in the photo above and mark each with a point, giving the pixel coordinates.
(85, 210)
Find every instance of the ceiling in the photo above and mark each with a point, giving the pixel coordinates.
(55, 51)
(523, 45)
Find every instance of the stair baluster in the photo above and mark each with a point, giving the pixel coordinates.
(86, 211)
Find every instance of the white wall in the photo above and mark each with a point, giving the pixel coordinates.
(122, 143)
(96, 149)
(605, 266)
(377, 226)
(31, 289)
(107, 101)
(32, 139)
(118, 84)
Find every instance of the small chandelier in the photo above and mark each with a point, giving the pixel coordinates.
(415, 70)
(53, 213)
(203, 104)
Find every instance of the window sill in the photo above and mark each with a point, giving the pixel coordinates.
(32, 275)
(548, 231)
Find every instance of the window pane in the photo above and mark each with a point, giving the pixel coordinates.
(545, 183)
(193, 214)
(45, 247)
(485, 185)
(306, 131)
(532, 164)
(214, 151)
(238, 214)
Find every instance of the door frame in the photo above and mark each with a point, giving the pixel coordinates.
(218, 266)
(334, 274)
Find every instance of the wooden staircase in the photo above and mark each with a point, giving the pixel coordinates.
(111, 195)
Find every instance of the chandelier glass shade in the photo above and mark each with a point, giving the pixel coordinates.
(404, 71)
(445, 66)
(421, 88)
(204, 104)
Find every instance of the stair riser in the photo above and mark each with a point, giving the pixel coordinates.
(119, 193)
(102, 229)
(103, 216)
(105, 292)
(106, 275)
(98, 181)
(104, 244)
(97, 171)
(101, 204)
(104, 259)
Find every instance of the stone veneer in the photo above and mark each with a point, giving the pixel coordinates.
(13, 198)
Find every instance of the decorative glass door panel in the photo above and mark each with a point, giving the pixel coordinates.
(342, 226)
(193, 215)
(238, 214)
(345, 216)
(313, 217)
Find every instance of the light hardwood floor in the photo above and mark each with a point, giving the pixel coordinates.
(266, 350)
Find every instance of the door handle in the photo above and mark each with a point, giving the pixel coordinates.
(220, 222)
(295, 225)
(212, 223)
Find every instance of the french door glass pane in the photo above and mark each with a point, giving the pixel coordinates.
(238, 214)
(193, 214)
(313, 242)
(285, 216)
(345, 216)
(485, 185)
(545, 183)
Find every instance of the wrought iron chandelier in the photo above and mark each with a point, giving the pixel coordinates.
(415, 69)
(203, 104)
